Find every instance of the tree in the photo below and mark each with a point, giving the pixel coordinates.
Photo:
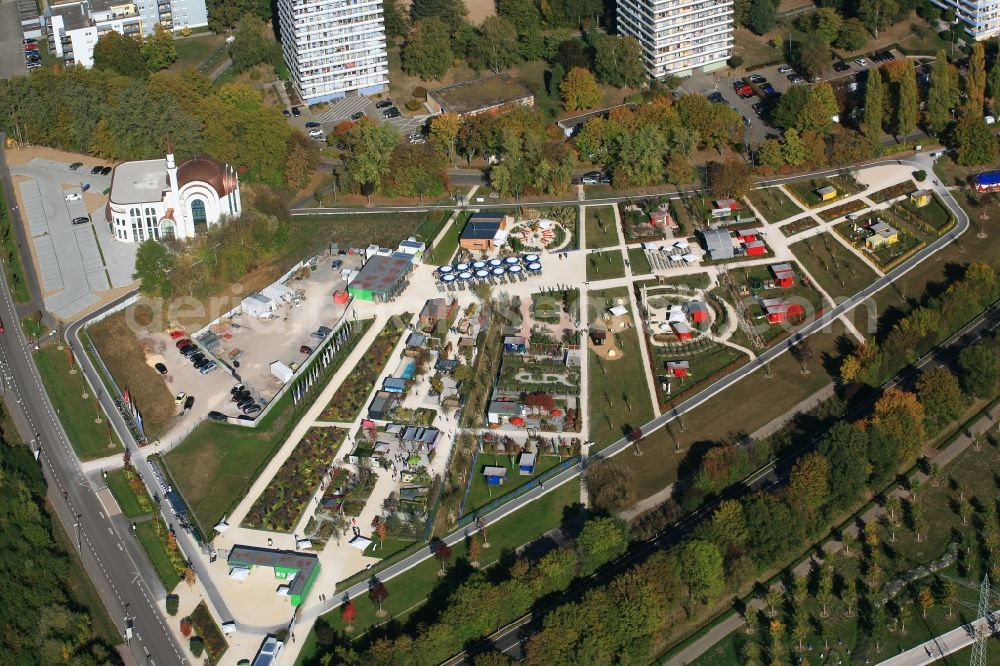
(442, 552)
(792, 150)
(579, 90)
(172, 602)
(600, 541)
(845, 447)
(942, 96)
(979, 364)
(251, 45)
(900, 416)
(770, 155)
(153, 266)
(903, 617)
(975, 80)
(800, 627)
(763, 16)
(849, 596)
(773, 600)
(418, 170)
(189, 576)
(496, 46)
(827, 23)
(824, 592)
(993, 84)
(369, 148)
(223, 15)
(814, 55)
(610, 486)
(877, 14)
(751, 618)
(728, 526)
(926, 599)
(771, 528)
(556, 76)
(950, 595)
(730, 179)
(941, 396)
(523, 14)
(976, 142)
(379, 594)
(572, 53)
(809, 483)
(907, 102)
(396, 24)
(618, 61)
(427, 52)
(444, 132)
(186, 627)
(679, 169)
(817, 113)
(159, 50)
(874, 107)
(452, 12)
(790, 105)
(852, 35)
(701, 566)
(918, 520)
(380, 531)
(474, 550)
(119, 53)
(347, 613)
(876, 623)
(197, 646)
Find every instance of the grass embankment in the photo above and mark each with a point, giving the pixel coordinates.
(600, 226)
(638, 261)
(481, 493)
(773, 204)
(838, 271)
(147, 534)
(217, 463)
(618, 391)
(89, 439)
(116, 343)
(203, 52)
(422, 585)
(12, 257)
(132, 504)
(310, 233)
(442, 253)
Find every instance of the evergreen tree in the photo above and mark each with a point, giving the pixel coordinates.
(941, 96)
(907, 104)
(874, 107)
(763, 16)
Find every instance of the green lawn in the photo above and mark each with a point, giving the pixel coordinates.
(203, 52)
(605, 265)
(387, 548)
(90, 440)
(126, 498)
(934, 213)
(217, 462)
(410, 590)
(11, 255)
(773, 204)
(157, 552)
(618, 391)
(638, 261)
(442, 253)
(601, 227)
(481, 493)
(704, 364)
(432, 225)
(837, 270)
(310, 233)
(805, 190)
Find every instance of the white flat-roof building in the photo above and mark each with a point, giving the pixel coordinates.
(980, 17)
(154, 199)
(679, 36)
(333, 47)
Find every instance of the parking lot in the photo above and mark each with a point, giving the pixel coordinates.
(343, 109)
(75, 263)
(11, 45)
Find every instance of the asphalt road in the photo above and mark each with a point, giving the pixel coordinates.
(11, 44)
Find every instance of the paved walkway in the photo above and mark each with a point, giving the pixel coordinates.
(948, 643)
(734, 621)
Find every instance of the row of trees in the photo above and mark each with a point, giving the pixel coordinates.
(43, 623)
(126, 118)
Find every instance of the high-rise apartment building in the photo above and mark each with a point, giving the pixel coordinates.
(333, 47)
(679, 36)
(980, 17)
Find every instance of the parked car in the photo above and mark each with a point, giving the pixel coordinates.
(758, 108)
(209, 367)
(337, 263)
(795, 78)
(316, 134)
(179, 398)
(296, 112)
(311, 124)
(756, 78)
(96, 170)
(785, 69)
(217, 416)
(75, 165)
(591, 178)
(384, 104)
(861, 62)
(244, 417)
(305, 349)
(188, 403)
(106, 171)
(715, 97)
(160, 368)
(236, 388)
(392, 112)
(415, 136)
(251, 410)
(768, 90)
(883, 56)
(286, 113)
(180, 344)
(841, 67)
(357, 116)
(80, 220)
(73, 196)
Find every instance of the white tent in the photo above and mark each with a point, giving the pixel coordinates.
(618, 311)
(278, 292)
(682, 244)
(303, 544)
(222, 526)
(258, 305)
(229, 627)
(692, 258)
(239, 573)
(360, 542)
(281, 371)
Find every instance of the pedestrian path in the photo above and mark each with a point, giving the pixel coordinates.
(947, 643)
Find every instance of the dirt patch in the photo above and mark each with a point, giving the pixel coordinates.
(16, 157)
(610, 351)
(125, 355)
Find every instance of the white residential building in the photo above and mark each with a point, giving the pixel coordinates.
(72, 28)
(679, 36)
(980, 17)
(334, 47)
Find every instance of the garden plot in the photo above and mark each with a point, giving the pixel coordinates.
(279, 508)
(552, 230)
(901, 240)
(353, 393)
(705, 361)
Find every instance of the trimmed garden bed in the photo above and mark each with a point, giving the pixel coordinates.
(353, 393)
(206, 628)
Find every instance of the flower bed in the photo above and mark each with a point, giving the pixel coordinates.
(897, 190)
(280, 506)
(798, 225)
(353, 393)
(209, 633)
(831, 214)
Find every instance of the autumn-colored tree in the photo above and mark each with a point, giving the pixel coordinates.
(442, 552)
(379, 594)
(380, 531)
(950, 595)
(579, 90)
(444, 132)
(171, 542)
(809, 484)
(730, 179)
(926, 599)
(347, 614)
(474, 549)
(975, 80)
(900, 417)
(189, 576)
(186, 627)
(941, 396)
(728, 526)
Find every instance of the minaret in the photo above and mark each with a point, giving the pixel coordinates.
(180, 221)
